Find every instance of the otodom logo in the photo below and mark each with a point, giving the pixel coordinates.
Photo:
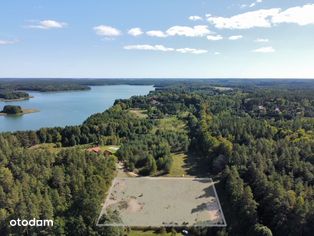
(33, 223)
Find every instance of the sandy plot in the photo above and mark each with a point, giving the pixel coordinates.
(165, 201)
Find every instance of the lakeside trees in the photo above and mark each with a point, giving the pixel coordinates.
(11, 95)
(12, 110)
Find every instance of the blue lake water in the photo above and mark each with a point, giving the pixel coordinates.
(67, 108)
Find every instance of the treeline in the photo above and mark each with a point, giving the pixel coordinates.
(9, 109)
(41, 85)
(187, 85)
(151, 153)
(265, 165)
(11, 94)
(109, 127)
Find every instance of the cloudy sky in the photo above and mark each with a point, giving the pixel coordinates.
(157, 38)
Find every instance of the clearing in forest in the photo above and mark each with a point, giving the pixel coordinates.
(165, 201)
(139, 113)
(178, 167)
(171, 123)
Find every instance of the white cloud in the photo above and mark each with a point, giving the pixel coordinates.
(49, 24)
(214, 37)
(107, 31)
(217, 53)
(195, 18)
(235, 37)
(156, 33)
(135, 32)
(261, 40)
(252, 5)
(259, 18)
(196, 31)
(191, 50)
(7, 42)
(264, 50)
(299, 15)
(147, 47)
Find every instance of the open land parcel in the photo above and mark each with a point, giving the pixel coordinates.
(165, 201)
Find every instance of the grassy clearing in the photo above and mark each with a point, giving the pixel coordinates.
(178, 168)
(140, 113)
(171, 123)
(52, 147)
(111, 148)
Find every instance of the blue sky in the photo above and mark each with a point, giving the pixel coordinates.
(157, 38)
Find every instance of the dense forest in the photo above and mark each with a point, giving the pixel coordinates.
(255, 138)
(45, 85)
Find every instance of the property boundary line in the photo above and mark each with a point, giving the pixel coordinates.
(103, 210)
(106, 200)
(219, 205)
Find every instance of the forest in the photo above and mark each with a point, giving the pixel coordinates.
(256, 139)
(41, 85)
(11, 95)
(60, 84)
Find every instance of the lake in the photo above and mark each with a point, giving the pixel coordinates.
(67, 108)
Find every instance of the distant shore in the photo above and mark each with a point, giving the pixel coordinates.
(25, 111)
(15, 99)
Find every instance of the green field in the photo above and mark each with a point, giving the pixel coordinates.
(52, 147)
(178, 168)
(111, 148)
(140, 113)
(171, 123)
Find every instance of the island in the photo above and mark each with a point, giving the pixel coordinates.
(12, 95)
(16, 110)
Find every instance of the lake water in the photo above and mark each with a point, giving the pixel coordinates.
(67, 108)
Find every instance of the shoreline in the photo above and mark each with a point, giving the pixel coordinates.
(25, 111)
(15, 99)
